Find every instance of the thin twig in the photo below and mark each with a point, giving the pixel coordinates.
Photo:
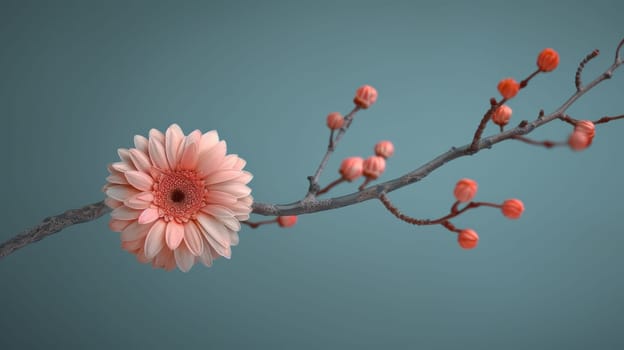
(547, 144)
(256, 224)
(608, 119)
(454, 212)
(333, 142)
(579, 70)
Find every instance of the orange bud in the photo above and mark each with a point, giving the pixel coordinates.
(468, 239)
(501, 115)
(508, 88)
(365, 96)
(578, 140)
(335, 120)
(587, 127)
(547, 60)
(351, 168)
(373, 167)
(384, 149)
(465, 190)
(287, 221)
(512, 208)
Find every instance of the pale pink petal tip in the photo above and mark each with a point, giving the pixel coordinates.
(178, 199)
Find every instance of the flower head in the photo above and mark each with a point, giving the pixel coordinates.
(501, 115)
(365, 96)
(465, 190)
(508, 88)
(467, 239)
(512, 208)
(384, 149)
(547, 60)
(178, 199)
(351, 168)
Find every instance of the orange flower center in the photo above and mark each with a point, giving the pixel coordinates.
(179, 195)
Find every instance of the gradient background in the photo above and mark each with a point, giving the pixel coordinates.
(79, 79)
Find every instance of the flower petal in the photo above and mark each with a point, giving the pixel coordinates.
(222, 176)
(122, 167)
(148, 215)
(155, 239)
(240, 164)
(217, 210)
(116, 179)
(134, 231)
(140, 160)
(173, 138)
(164, 259)
(206, 257)
(125, 213)
(229, 162)
(118, 225)
(112, 203)
(189, 157)
(140, 180)
(234, 189)
(140, 142)
(193, 238)
(234, 237)
(141, 200)
(231, 222)
(157, 135)
(157, 154)
(208, 140)
(174, 234)
(245, 177)
(124, 155)
(216, 234)
(211, 159)
(184, 259)
(121, 192)
(219, 197)
(131, 246)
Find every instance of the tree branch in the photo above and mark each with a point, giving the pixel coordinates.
(310, 204)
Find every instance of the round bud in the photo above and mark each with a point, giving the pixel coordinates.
(384, 149)
(512, 208)
(501, 115)
(587, 127)
(373, 167)
(465, 190)
(351, 168)
(287, 221)
(547, 60)
(335, 120)
(578, 140)
(468, 239)
(365, 96)
(508, 88)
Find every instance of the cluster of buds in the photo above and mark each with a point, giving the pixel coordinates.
(351, 168)
(464, 192)
(547, 61)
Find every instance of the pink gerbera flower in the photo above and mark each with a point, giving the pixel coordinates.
(178, 199)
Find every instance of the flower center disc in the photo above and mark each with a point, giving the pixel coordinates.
(179, 194)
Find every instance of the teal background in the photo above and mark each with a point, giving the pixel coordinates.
(78, 79)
